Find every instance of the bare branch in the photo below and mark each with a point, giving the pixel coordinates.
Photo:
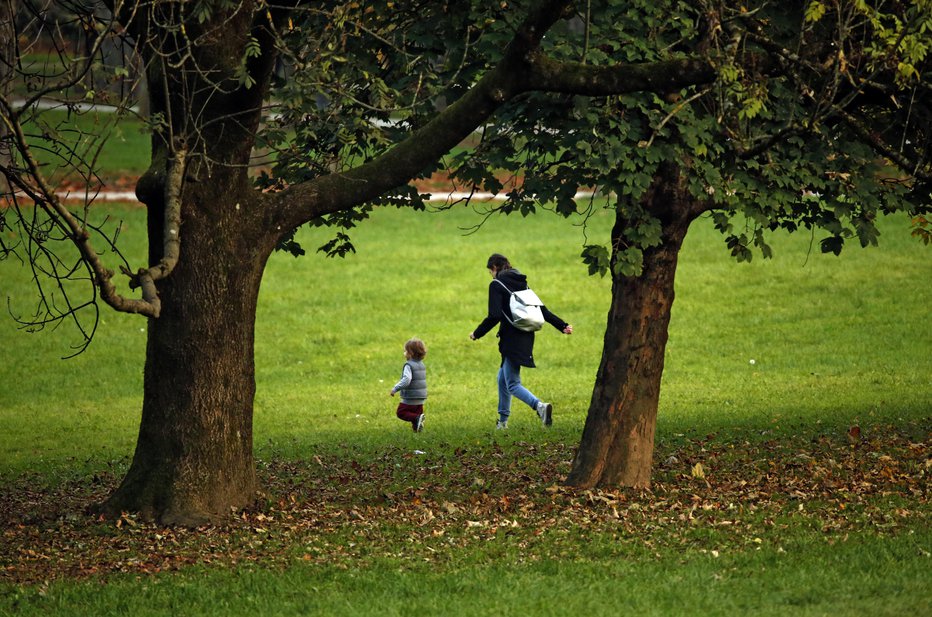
(79, 68)
(74, 229)
(172, 238)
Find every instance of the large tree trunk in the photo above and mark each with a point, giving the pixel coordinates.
(7, 62)
(618, 439)
(194, 459)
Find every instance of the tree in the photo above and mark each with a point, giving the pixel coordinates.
(214, 68)
(818, 120)
(7, 52)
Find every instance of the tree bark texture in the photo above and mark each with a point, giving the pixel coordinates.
(194, 454)
(617, 444)
(7, 62)
(194, 458)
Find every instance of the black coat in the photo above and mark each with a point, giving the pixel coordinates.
(516, 345)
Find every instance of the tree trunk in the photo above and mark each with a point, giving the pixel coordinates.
(7, 62)
(194, 458)
(618, 439)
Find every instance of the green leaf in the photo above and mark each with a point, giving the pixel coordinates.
(338, 246)
(629, 262)
(832, 244)
(596, 257)
(645, 232)
(253, 48)
(815, 11)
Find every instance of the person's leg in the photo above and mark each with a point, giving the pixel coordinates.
(511, 375)
(504, 398)
(408, 413)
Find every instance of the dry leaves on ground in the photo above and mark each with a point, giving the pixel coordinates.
(708, 495)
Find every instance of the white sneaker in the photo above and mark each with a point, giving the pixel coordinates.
(419, 425)
(545, 413)
(501, 425)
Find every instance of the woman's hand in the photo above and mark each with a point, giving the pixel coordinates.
(472, 336)
(568, 329)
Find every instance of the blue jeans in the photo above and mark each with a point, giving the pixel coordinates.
(509, 384)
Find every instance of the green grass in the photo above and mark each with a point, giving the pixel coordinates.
(121, 146)
(821, 580)
(813, 324)
(835, 342)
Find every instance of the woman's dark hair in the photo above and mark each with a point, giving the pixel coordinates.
(499, 262)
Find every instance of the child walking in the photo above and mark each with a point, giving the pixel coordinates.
(412, 385)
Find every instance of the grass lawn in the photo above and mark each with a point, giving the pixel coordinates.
(768, 366)
(119, 145)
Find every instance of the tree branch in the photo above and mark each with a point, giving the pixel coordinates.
(340, 191)
(76, 232)
(79, 69)
(523, 68)
(171, 239)
(171, 242)
(547, 75)
(913, 168)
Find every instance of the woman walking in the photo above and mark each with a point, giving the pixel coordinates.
(516, 346)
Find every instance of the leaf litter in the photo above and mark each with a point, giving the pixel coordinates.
(341, 510)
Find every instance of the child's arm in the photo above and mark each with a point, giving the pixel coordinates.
(403, 382)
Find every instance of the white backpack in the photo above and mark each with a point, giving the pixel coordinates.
(525, 309)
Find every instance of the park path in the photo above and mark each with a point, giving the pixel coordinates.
(124, 196)
(121, 190)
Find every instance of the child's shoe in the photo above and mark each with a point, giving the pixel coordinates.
(501, 425)
(419, 424)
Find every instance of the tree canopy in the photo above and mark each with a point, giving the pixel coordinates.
(818, 120)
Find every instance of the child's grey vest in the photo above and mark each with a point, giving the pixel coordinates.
(416, 391)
